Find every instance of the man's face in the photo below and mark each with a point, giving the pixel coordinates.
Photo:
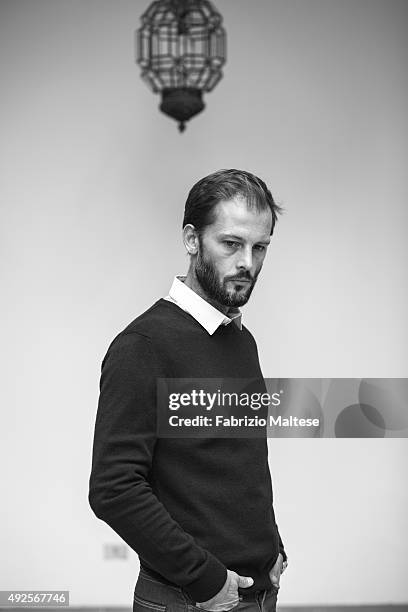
(232, 251)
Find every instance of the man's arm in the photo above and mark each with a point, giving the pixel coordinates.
(281, 547)
(280, 564)
(119, 491)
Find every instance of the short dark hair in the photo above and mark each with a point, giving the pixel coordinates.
(225, 185)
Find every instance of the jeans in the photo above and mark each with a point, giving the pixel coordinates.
(152, 595)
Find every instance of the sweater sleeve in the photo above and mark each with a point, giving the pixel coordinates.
(119, 489)
(281, 547)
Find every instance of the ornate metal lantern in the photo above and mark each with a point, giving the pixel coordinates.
(181, 48)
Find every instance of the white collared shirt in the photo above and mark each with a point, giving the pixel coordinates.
(203, 312)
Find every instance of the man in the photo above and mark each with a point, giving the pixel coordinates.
(198, 511)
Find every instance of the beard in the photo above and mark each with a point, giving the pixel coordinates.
(216, 289)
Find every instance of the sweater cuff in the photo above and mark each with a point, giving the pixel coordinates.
(210, 582)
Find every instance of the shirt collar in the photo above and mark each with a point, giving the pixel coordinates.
(203, 312)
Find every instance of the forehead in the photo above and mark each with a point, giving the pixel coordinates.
(235, 217)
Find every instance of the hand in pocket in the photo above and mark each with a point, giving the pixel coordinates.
(227, 598)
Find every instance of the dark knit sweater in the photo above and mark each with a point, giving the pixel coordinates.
(190, 507)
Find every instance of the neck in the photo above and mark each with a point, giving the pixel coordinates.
(192, 282)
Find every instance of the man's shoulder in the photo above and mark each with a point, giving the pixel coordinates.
(144, 324)
(247, 333)
(155, 322)
(142, 331)
(158, 323)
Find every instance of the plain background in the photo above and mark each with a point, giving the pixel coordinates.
(94, 180)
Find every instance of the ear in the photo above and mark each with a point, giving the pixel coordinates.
(190, 239)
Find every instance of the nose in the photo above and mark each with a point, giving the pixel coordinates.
(245, 259)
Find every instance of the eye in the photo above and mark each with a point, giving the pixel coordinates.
(260, 247)
(231, 244)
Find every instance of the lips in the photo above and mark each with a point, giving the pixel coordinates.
(240, 280)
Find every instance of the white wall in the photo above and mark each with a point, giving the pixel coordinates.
(93, 184)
